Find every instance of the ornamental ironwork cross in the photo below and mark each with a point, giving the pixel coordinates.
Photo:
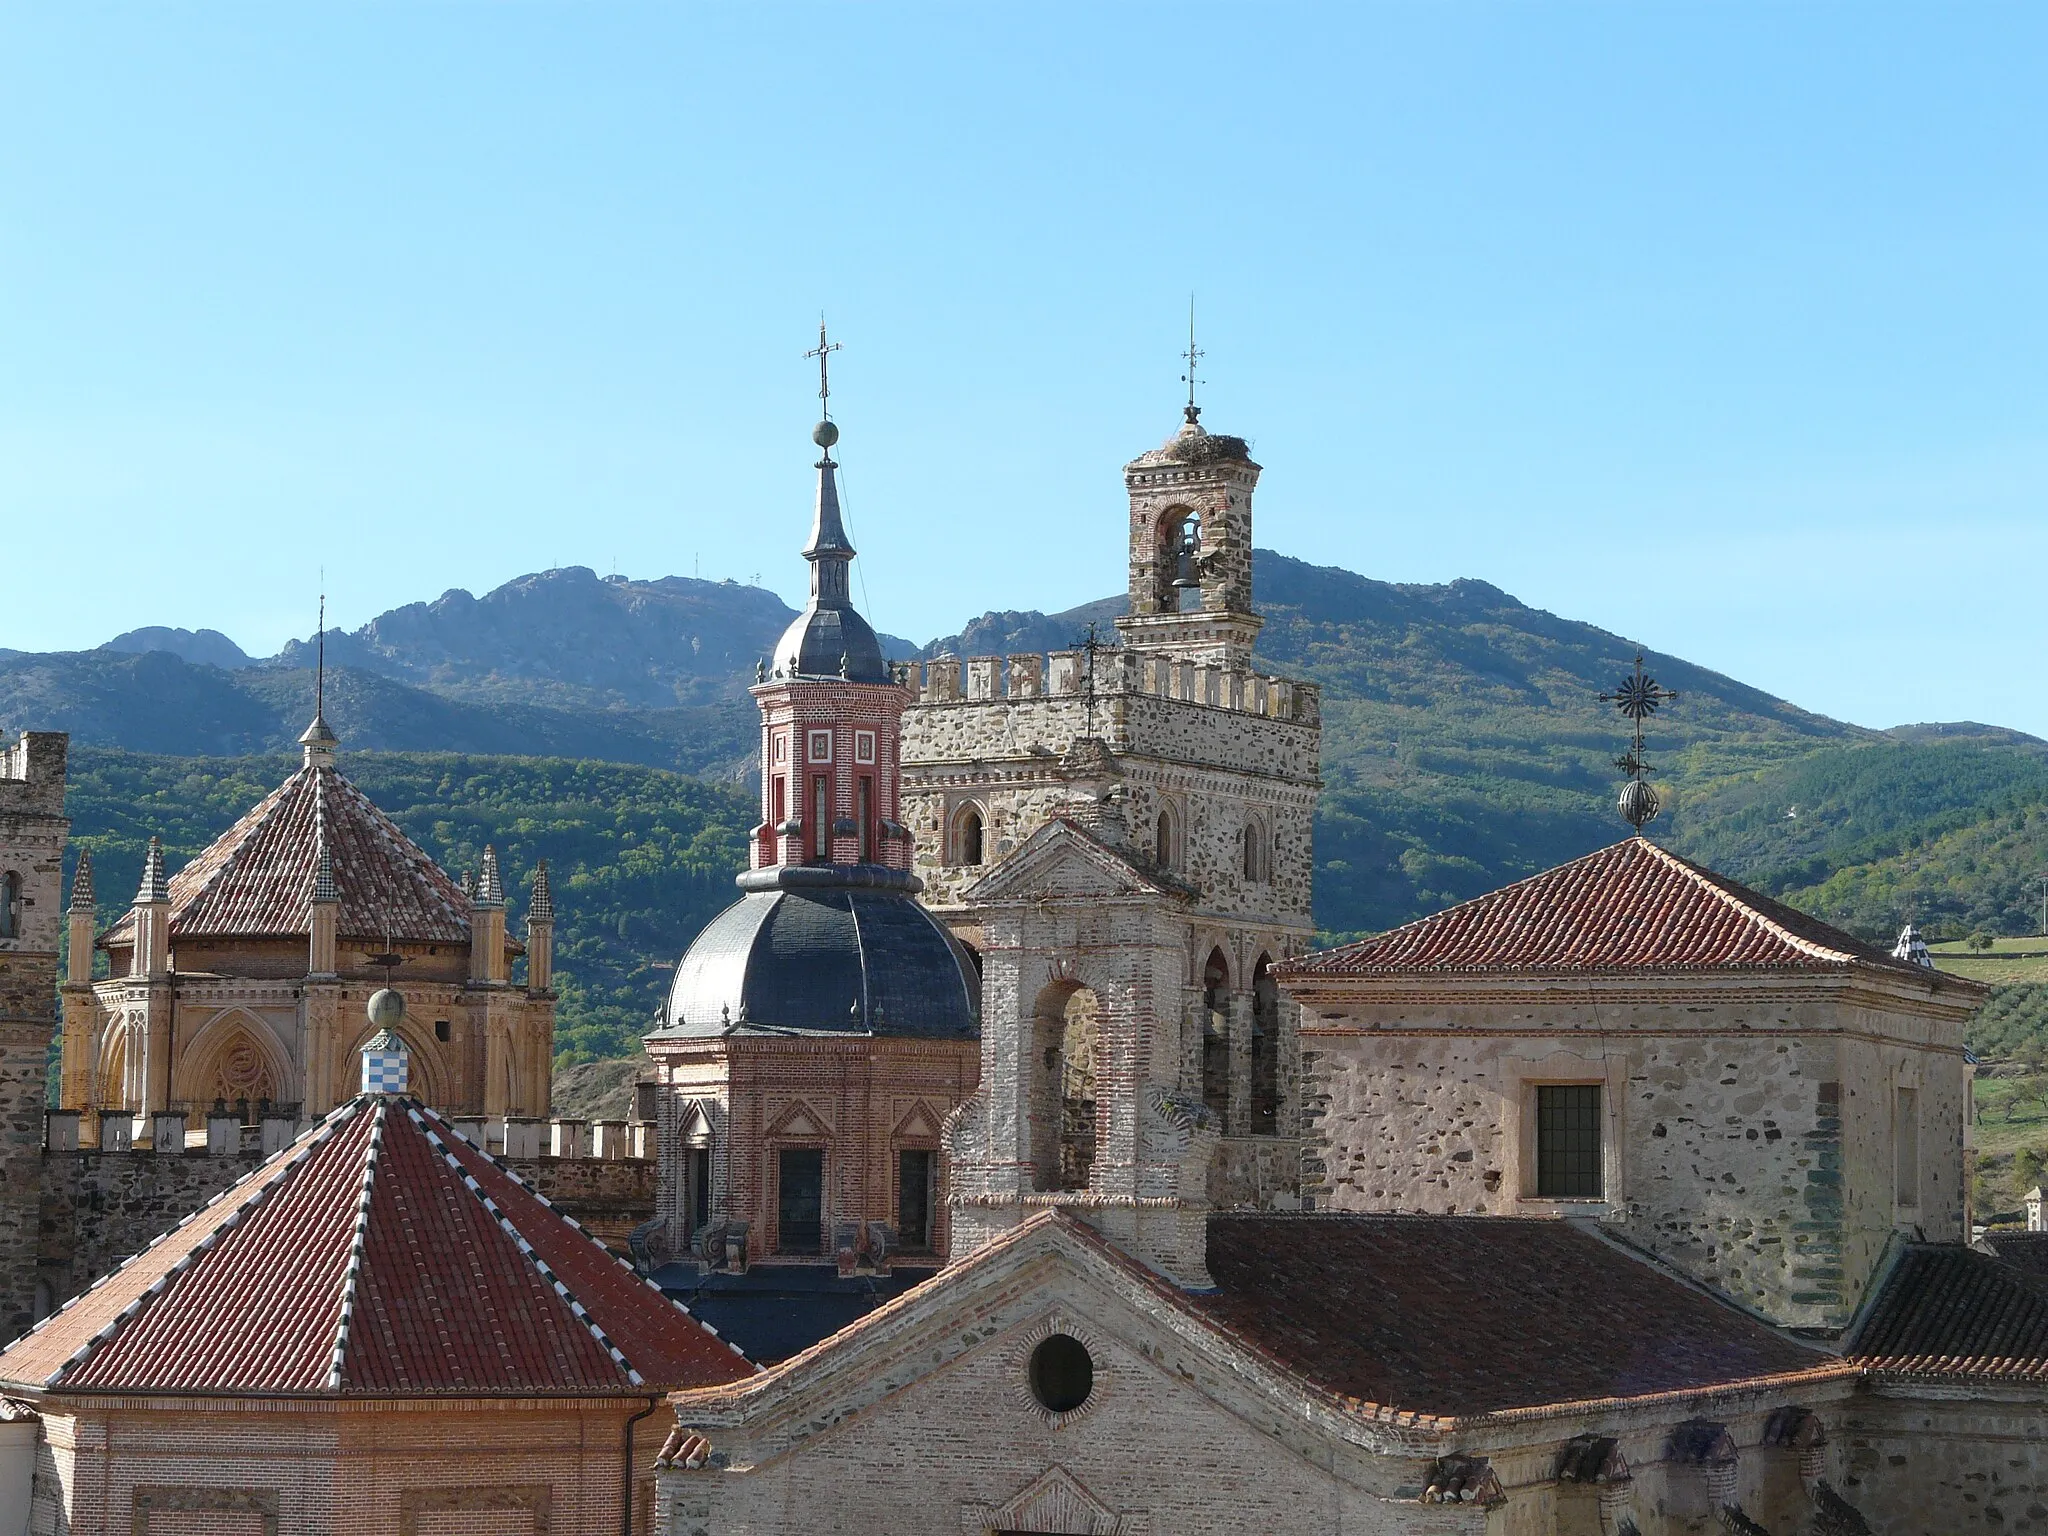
(823, 353)
(1638, 696)
(1089, 643)
(1193, 355)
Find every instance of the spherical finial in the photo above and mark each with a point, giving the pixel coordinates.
(825, 434)
(387, 1008)
(1638, 803)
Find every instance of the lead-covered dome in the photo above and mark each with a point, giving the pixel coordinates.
(835, 958)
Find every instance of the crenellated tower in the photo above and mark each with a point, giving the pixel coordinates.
(1124, 831)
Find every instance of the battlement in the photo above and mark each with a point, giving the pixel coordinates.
(516, 1138)
(1119, 672)
(32, 771)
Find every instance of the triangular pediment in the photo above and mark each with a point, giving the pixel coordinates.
(1063, 861)
(800, 1120)
(1057, 1502)
(918, 1122)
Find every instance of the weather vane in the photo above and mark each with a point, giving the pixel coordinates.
(1193, 356)
(1637, 696)
(823, 353)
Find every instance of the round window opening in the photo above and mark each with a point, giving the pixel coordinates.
(1062, 1374)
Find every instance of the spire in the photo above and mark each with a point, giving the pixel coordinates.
(155, 885)
(490, 888)
(319, 741)
(1193, 355)
(829, 550)
(81, 883)
(323, 859)
(542, 907)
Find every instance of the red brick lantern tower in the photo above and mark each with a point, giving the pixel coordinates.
(831, 714)
(823, 1026)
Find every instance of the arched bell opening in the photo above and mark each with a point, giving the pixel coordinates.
(966, 843)
(1216, 1033)
(1065, 1033)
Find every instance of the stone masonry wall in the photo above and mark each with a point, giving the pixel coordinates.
(32, 834)
(1941, 1466)
(1747, 1139)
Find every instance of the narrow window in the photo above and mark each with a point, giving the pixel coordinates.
(914, 1198)
(967, 840)
(800, 1199)
(821, 819)
(1568, 1141)
(441, 1030)
(1906, 1140)
(1166, 841)
(867, 819)
(700, 1187)
(10, 905)
(779, 809)
(1216, 1034)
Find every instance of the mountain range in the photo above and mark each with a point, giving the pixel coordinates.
(1465, 745)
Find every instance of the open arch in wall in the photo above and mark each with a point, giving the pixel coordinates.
(1168, 530)
(236, 1059)
(1216, 1032)
(110, 1072)
(1066, 1035)
(1265, 1105)
(967, 839)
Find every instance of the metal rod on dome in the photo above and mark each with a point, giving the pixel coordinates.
(1194, 356)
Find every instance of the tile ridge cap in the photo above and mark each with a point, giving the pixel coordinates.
(261, 1183)
(359, 1241)
(417, 1113)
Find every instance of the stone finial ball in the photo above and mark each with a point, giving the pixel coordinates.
(825, 433)
(387, 1008)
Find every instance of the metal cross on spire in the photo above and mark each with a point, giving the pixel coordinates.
(1193, 356)
(1638, 696)
(1089, 644)
(823, 353)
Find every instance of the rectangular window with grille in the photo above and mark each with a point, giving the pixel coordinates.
(1568, 1141)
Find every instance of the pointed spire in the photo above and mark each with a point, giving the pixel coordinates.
(319, 740)
(81, 883)
(156, 886)
(468, 884)
(490, 888)
(324, 888)
(542, 907)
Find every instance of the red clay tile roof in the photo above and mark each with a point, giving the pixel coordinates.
(1452, 1316)
(380, 1254)
(1946, 1310)
(256, 878)
(1632, 906)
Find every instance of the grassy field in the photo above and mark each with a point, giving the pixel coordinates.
(2007, 960)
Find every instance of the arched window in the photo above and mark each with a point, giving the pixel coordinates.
(1168, 534)
(10, 905)
(1216, 1033)
(1168, 840)
(1265, 1050)
(967, 836)
(1258, 868)
(1063, 1103)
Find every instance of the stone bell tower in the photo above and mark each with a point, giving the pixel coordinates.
(1191, 548)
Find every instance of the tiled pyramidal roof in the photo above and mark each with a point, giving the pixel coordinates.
(1632, 906)
(379, 1254)
(256, 879)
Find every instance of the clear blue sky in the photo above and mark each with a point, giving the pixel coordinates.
(1719, 325)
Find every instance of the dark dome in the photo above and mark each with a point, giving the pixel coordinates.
(838, 959)
(821, 635)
